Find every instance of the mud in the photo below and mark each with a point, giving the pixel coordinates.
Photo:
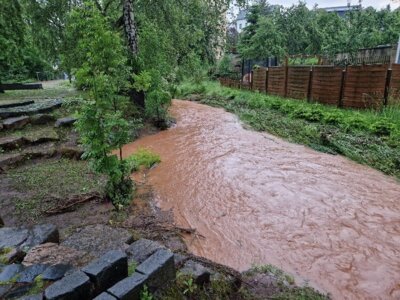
(257, 199)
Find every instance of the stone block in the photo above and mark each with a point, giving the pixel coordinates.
(33, 297)
(72, 287)
(129, 288)
(42, 119)
(142, 249)
(64, 122)
(16, 123)
(197, 271)
(160, 269)
(11, 143)
(52, 254)
(105, 296)
(107, 270)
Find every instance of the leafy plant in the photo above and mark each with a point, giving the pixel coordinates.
(190, 286)
(142, 157)
(145, 294)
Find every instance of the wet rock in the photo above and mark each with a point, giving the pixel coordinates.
(41, 234)
(72, 287)
(42, 119)
(11, 143)
(29, 274)
(175, 243)
(105, 296)
(56, 272)
(65, 122)
(16, 123)
(129, 288)
(10, 272)
(197, 271)
(142, 249)
(99, 239)
(52, 254)
(159, 268)
(12, 237)
(107, 270)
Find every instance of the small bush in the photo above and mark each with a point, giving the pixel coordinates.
(382, 128)
(142, 158)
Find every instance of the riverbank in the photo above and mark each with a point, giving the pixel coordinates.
(63, 190)
(368, 137)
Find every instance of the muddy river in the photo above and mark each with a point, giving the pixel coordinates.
(258, 199)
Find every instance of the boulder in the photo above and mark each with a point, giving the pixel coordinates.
(98, 239)
(42, 119)
(52, 254)
(11, 159)
(16, 123)
(65, 122)
(41, 234)
(29, 274)
(12, 237)
(70, 152)
(72, 287)
(142, 249)
(159, 268)
(107, 270)
(10, 272)
(11, 143)
(197, 271)
(56, 272)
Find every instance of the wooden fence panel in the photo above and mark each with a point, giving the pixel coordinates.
(259, 79)
(276, 81)
(326, 84)
(394, 92)
(365, 86)
(298, 82)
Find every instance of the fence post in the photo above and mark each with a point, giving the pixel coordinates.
(387, 87)
(251, 79)
(310, 78)
(286, 74)
(266, 80)
(342, 84)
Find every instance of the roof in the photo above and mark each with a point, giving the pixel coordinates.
(341, 8)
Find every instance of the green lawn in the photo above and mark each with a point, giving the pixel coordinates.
(368, 137)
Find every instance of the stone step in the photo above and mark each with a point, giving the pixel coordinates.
(37, 107)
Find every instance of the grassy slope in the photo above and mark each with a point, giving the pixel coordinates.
(367, 137)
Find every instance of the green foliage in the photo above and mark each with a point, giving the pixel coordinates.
(142, 82)
(145, 294)
(101, 122)
(225, 66)
(299, 30)
(143, 158)
(131, 267)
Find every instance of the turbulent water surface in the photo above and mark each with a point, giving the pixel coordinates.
(257, 199)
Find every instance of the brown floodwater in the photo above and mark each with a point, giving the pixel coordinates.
(258, 199)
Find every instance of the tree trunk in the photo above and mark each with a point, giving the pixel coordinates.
(130, 27)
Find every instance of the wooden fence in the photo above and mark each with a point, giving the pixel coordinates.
(368, 86)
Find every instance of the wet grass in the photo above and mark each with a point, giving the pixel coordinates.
(42, 184)
(368, 137)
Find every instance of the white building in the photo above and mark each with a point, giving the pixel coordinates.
(241, 20)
